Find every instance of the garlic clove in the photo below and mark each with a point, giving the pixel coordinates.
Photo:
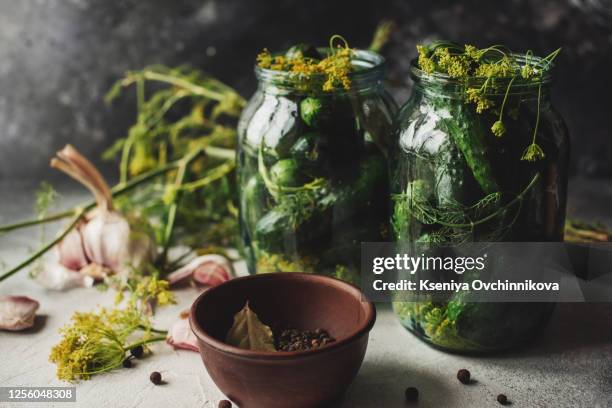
(56, 276)
(106, 237)
(17, 312)
(71, 251)
(180, 335)
(207, 270)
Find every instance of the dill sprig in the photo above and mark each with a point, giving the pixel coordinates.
(192, 121)
(97, 342)
(335, 67)
(494, 66)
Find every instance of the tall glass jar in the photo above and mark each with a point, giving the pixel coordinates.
(453, 181)
(312, 170)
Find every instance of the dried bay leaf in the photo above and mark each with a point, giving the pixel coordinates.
(248, 332)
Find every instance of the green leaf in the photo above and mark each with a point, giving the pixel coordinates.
(248, 332)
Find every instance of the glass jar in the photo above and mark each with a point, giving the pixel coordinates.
(312, 170)
(454, 181)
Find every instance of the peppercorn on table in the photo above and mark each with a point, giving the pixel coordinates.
(569, 365)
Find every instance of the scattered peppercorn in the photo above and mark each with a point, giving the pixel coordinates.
(300, 340)
(463, 375)
(502, 399)
(412, 394)
(225, 404)
(137, 351)
(127, 363)
(156, 378)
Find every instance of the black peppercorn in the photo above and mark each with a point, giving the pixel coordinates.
(225, 404)
(412, 394)
(127, 363)
(137, 351)
(502, 399)
(156, 378)
(463, 375)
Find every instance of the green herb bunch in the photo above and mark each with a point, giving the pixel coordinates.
(97, 342)
(488, 71)
(192, 120)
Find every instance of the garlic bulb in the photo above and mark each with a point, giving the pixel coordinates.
(106, 240)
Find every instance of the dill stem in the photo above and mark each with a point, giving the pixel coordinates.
(182, 83)
(144, 342)
(45, 247)
(517, 199)
(141, 327)
(178, 183)
(115, 191)
(37, 221)
(501, 111)
(212, 175)
(120, 188)
(535, 129)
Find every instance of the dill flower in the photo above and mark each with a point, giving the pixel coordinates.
(527, 71)
(477, 97)
(532, 153)
(425, 62)
(153, 289)
(96, 342)
(335, 67)
(472, 52)
(498, 128)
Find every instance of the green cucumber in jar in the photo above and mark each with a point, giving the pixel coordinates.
(470, 140)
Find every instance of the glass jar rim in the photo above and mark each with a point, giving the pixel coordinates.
(371, 69)
(518, 85)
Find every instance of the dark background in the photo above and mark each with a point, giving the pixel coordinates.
(59, 57)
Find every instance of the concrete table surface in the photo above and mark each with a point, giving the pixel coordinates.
(569, 365)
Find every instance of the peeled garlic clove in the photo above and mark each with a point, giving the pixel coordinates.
(56, 276)
(207, 270)
(17, 312)
(180, 335)
(71, 251)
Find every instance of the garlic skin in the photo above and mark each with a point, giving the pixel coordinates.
(106, 240)
(17, 312)
(72, 251)
(56, 276)
(206, 270)
(180, 335)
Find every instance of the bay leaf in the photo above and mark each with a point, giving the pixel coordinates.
(248, 332)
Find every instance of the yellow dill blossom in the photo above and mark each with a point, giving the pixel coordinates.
(335, 68)
(264, 59)
(96, 342)
(528, 71)
(532, 153)
(472, 52)
(455, 66)
(151, 289)
(498, 128)
(425, 62)
(477, 97)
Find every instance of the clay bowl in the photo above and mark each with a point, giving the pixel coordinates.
(311, 378)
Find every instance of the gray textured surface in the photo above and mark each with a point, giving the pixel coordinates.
(569, 365)
(59, 57)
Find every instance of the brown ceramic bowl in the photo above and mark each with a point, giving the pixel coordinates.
(311, 378)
